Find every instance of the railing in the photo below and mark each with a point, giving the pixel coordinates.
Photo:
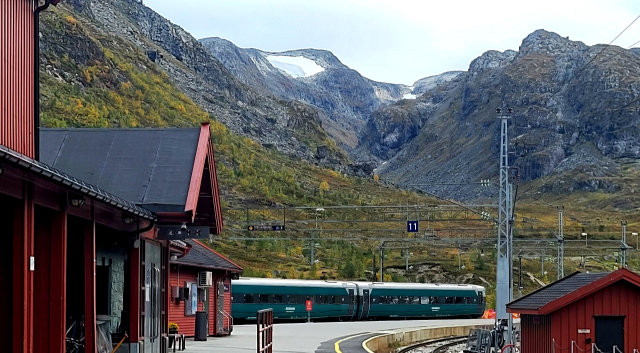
(229, 319)
(265, 331)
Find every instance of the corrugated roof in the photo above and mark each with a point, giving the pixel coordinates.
(556, 290)
(149, 167)
(69, 182)
(203, 256)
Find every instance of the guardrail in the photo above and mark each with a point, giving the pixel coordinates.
(265, 331)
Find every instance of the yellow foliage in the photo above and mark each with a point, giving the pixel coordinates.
(376, 177)
(70, 20)
(324, 186)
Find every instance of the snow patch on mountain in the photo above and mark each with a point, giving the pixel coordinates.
(409, 95)
(295, 66)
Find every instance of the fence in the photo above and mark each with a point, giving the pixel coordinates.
(265, 331)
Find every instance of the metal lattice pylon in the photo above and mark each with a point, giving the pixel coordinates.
(504, 282)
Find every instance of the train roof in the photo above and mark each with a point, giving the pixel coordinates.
(289, 282)
(372, 285)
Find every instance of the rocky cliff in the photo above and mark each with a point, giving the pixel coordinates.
(575, 120)
(344, 96)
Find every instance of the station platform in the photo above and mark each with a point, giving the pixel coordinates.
(322, 337)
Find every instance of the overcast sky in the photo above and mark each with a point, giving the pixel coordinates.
(401, 41)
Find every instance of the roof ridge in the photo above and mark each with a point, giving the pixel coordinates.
(217, 253)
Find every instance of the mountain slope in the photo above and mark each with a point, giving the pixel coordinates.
(572, 124)
(346, 97)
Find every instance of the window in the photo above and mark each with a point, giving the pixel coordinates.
(459, 300)
(319, 299)
(248, 298)
(441, 300)
(414, 300)
(264, 298)
(448, 300)
(404, 300)
(276, 298)
(375, 299)
(425, 300)
(434, 300)
(303, 298)
(331, 299)
(292, 299)
(392, 299)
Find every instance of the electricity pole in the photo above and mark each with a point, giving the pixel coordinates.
(623, 247)
(504, 282)
(560, 243)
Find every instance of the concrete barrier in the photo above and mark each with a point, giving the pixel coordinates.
(388, 342)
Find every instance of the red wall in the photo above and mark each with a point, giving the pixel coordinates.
(535, 334)
(17, 75)
(187, 324)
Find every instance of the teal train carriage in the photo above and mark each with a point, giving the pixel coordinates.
(354, 300)
(288, 298)
(418, 300)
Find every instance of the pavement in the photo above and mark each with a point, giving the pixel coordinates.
(318, 337)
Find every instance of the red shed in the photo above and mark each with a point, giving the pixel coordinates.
(214, 297)
(580, 311)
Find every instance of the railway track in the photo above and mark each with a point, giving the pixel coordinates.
(439, 345)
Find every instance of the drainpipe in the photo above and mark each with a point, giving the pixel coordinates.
(36, 74)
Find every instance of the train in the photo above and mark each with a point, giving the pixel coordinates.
(344, 300)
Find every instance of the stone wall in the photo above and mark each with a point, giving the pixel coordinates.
(117, 258)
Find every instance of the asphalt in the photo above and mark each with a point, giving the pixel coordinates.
(316, 337)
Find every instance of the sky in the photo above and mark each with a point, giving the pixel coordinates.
(401, 41)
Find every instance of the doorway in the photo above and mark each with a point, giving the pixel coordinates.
(152, 297)
(610, 332)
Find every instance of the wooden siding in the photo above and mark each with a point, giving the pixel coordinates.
(536, 334)
(178, 277)
(17, 76)
(618, 299)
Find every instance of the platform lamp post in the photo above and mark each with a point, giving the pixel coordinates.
(585, 240)
(636, 235)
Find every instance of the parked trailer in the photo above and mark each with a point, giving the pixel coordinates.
(354, 300)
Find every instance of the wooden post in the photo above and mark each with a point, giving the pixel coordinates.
(90, 283)
(135, 287)
(22, 276)
(58, 271)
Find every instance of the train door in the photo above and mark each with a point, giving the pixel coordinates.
(365, 304)
(352, 304)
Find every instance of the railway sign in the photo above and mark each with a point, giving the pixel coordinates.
(166, 232)
(412, 226)
(309, 305)
(265, 228)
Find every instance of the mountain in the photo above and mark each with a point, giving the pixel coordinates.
(315, 77)
(574, 126)
(99, 34)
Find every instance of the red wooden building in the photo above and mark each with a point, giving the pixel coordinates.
(581, 310)
(190, 271)
(82, 237)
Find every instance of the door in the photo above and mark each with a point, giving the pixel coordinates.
(352, 306)
(220, 302)
(365, 304)
(609, 333)
(152, 297)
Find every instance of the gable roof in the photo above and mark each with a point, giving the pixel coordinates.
(161, 170)
(201, 255)
(568, 290)
(67, 181)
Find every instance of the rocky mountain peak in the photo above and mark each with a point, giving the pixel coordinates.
(490, 60)
(550, 43)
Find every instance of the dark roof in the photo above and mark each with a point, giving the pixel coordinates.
(149, 167)
(201, 255)
(555, 290)
(67, 181)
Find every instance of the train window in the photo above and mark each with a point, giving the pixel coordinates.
(441, 300)
(425, 300)
(375, 299)
(319, 299)
(303, 298)
(434, 300)
(448, 300)
(264, 298)
(392, 299)
(332, 299)
(292, 299)
(414, 300)
(344, 299)
(382, 299)
(474, 300)
(248, 298)
(459, 300)
(276, 298)
(404, 300)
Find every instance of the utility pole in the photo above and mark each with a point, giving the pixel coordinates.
(382, 261)
(623, 246)
(560, 242)
(406, 259)
(520, 277)
(504, 282)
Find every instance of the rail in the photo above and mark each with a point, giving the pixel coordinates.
(265, 331)
(440, 349)
(229, 319)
